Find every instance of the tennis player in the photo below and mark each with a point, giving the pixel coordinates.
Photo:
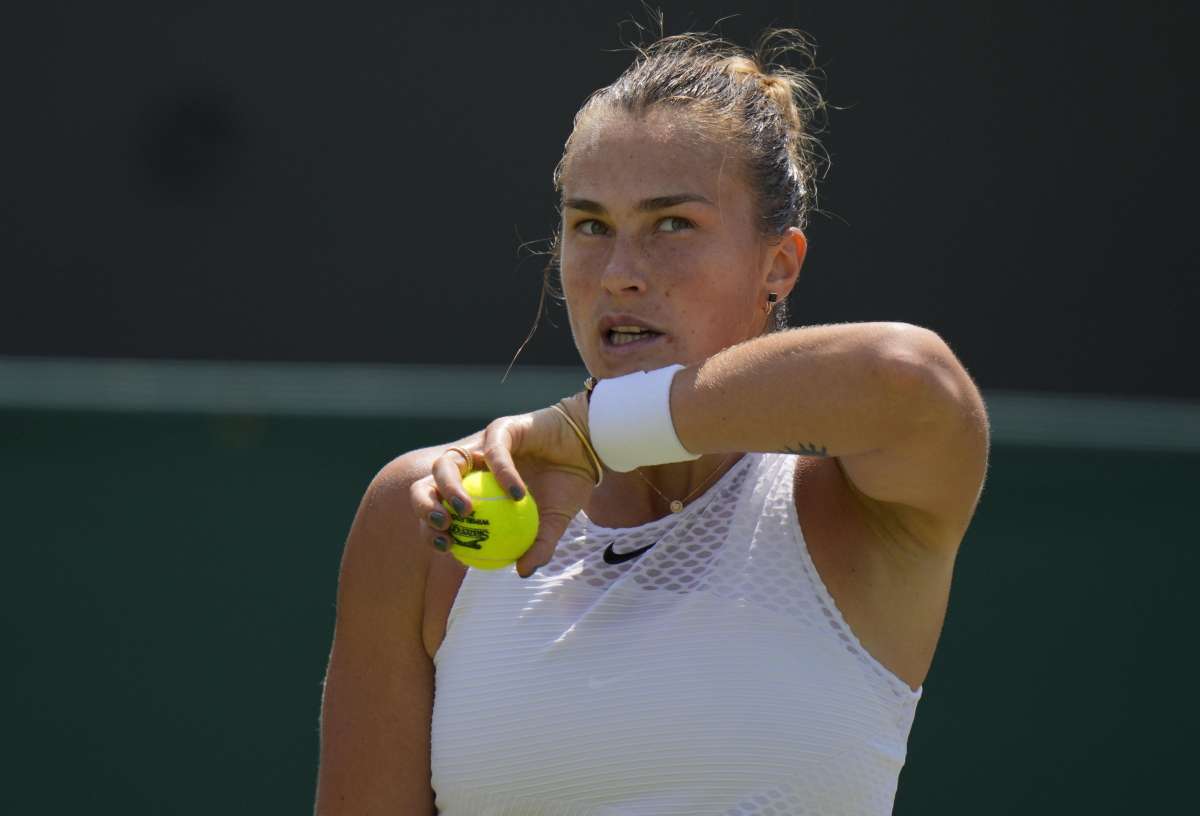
(748, 531)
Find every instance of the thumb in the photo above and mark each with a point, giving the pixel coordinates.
(551, 526)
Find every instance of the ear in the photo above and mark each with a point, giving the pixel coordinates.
(784, 260)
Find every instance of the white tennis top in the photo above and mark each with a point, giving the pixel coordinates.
(711, 674)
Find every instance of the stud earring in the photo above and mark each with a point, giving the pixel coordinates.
(771, 298)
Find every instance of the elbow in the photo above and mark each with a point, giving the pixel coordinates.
(923, 369)
(915, 362)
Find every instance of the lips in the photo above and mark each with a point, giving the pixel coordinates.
(627, 335)
(622, 330)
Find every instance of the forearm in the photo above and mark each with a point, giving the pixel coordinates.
(836, 390)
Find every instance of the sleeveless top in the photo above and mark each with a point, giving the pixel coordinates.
(711, 674)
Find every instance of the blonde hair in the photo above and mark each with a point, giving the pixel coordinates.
(771, 113)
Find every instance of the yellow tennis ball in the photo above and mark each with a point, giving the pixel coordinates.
(498, 530)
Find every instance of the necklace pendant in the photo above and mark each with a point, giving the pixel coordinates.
(676, 506)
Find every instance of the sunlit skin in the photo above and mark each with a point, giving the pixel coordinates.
(888, 432)
(660, 232)
(697, 270)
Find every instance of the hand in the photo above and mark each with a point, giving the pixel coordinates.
(536, 452)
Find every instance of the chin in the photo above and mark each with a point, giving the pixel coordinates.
(617, 369)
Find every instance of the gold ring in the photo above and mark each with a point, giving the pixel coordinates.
(465, 455)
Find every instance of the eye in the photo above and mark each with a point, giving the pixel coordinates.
(673, 223)
(591, 227)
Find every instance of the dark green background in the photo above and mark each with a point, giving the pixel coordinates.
(169, 608)
(235, 180)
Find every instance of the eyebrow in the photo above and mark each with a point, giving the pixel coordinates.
(645, 205)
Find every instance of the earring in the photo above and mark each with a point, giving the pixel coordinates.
(771, 298)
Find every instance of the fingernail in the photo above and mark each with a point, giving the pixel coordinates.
(438, 518)
(460, 506)
(440, 543)
(533, 572)
(516, 492)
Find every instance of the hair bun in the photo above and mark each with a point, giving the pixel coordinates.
(774, 119)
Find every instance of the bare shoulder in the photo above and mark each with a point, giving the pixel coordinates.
(376, 549)
(394, 480)
(384, 562)
(386, 507)
(385, 521)
(378, 698)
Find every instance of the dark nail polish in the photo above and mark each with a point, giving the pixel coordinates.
(516, 492)
(438, 518)
(460, 506)
(440, 543)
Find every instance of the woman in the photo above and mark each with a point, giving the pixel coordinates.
(761, 650)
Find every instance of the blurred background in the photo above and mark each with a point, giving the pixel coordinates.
(241, 247)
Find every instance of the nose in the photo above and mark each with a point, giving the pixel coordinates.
(624, 268)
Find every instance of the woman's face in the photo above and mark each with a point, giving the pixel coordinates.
(659, 231)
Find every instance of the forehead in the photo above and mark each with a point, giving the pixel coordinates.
(617, 158)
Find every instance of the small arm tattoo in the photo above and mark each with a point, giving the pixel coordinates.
(806, 450)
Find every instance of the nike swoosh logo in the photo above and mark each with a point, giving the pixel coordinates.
(611, 557)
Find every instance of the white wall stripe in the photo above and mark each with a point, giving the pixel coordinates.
(464, 392)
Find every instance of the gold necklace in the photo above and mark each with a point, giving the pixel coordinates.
(677, 504)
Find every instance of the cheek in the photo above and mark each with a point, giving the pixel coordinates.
(711, 277)
(708, 311)
(574, 263)
(568, 264)
(575, 293)
(720, 303)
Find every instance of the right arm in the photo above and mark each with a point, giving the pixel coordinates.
(377, 708)
(378, 699)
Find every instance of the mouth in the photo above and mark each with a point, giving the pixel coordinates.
(630, 340)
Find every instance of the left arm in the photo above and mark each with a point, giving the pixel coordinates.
(889, 400)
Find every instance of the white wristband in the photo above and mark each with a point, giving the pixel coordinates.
(629, 418)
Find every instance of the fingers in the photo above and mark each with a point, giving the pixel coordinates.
(433, 520)
(563, 493)
(563, 486)
(448, 470)
(551, 526)
(497, 447)
(446, 483)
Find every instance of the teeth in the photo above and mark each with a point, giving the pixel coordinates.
(622, 335)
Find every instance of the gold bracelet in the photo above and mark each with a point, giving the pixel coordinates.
(583, 439)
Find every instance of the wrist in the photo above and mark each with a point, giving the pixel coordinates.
(630, 424)
(573, 410)
(577, 406)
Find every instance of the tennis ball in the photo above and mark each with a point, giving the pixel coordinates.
(498, 531)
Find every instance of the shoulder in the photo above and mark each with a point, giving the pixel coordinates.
(387, 496)
(383, 556)
(379, 686)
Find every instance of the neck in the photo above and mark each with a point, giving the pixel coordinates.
(626, 500)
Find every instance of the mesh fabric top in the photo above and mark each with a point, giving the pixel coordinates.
(711, 674)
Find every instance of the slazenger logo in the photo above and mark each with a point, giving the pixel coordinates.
(468, 531)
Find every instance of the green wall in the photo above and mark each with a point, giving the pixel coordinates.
(170, 600)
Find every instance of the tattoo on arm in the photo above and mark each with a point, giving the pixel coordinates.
(805, 450)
